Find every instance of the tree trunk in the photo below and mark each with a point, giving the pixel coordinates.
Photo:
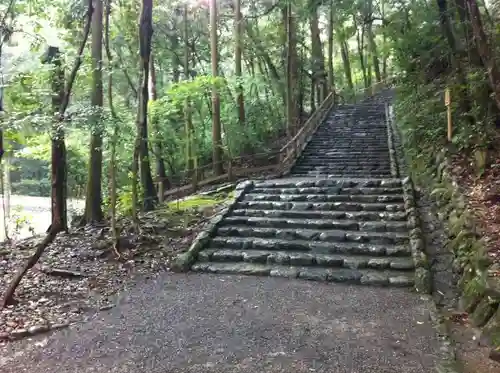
(188, 118)
(344, 51)
(331, 77)
(161, 172)
(464, 100)
(93, 199)
(291, 73)
(8, 297)
(374, 53)
(114, 137)
(485, 50)
(216, 125)
(58, 158)
(145, 36)
(318, 59)
(238, 20)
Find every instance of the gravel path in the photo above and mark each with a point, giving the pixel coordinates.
(202, 323)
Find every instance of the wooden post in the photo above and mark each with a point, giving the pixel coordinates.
(161, 192)
(447, 102)
(230, 169)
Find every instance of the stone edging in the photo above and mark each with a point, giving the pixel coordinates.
(423, 279)
(390, 142)
(480, 294)
(448, 360)
(182, 262)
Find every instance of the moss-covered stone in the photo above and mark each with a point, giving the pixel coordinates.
(491, 330)
(484, 311)
(423, 280)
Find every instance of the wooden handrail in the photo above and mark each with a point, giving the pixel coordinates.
(307, 123)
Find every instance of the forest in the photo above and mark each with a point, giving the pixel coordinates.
(119, 102)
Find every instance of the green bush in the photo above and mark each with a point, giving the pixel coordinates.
(36, 188)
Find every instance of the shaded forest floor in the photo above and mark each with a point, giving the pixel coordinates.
(80, 271)
(483, 198)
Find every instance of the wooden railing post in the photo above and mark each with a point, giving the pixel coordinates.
(161, 192)
(230, 169)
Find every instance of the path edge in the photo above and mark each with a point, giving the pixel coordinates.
(423, 277)
(183, 261)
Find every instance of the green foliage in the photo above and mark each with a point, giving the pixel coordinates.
(35, 188)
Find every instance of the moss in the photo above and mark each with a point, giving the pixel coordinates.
(199, 201)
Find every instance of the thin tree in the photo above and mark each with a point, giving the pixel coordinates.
(93, 199)
(216, 125)
(8, 297)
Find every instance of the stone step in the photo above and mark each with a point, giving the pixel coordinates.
(337, 162)
(326, 206)
(349, 153)
(338, 167)
(359, 198)
(329, 190)
(326, 183)
(338, 175)
(333, 215)
(319, 224)
(306, 259)
(341, 275)
(316, 247)
(383, 238)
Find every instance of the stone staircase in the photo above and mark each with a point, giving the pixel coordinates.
(340, 217)
(353, 142)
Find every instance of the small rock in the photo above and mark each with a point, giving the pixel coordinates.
(19, 333)
(106, 307)
(4, 336)
(37, 329)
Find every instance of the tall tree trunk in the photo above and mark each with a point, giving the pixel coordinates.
(216, 125)
(145, 37)
(344, 51)
(93, 199)
(331, 77)
(58, 158)
(291, 72)
(8, 297)
(374, 52)
(189, 128)
(485, 50)
(444, 19)
(114, 137)
(318, 59)
(161, 171)
(361, 55)
(237, 58)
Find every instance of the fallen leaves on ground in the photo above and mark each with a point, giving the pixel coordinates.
(80, 271)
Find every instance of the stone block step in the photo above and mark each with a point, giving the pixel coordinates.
(325, 182)
(338, 175)
(330, 190)
(319, 224)
(306, 259)
(382, 238)
(338, 168)
(338, 163)
(359, 198)
(314, 214)
(341, 275)
(316, 247)
(344, 153)
(314, 206)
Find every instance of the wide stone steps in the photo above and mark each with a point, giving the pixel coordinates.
(308, 206)
(359, 216)
(319, 247)
(352, 231)
(306, 259)
(340, 174)
(340, 275)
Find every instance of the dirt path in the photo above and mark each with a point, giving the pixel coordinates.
(204, 323)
